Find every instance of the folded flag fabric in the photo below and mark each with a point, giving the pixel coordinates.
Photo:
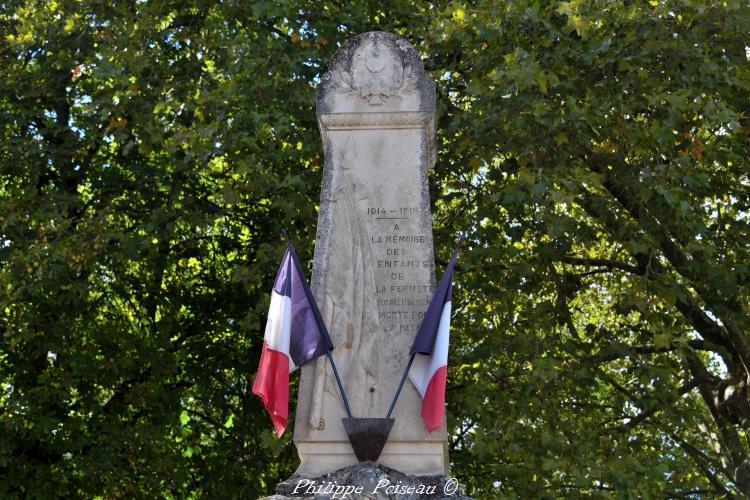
(295, 335)
(429, 368)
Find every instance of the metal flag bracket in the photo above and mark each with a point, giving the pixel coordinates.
(368, 436)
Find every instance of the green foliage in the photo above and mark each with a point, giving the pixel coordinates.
(597, 151)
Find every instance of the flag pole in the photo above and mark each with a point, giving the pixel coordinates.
(341, 387)
(400, 385)
(328, 351)
(411, 357)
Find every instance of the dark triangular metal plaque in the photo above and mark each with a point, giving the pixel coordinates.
(367, 436)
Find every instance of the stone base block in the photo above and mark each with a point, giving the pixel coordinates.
(370, 481)
(416, 458)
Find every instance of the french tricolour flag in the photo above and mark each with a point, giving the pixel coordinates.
(430, 349)
(295, 335)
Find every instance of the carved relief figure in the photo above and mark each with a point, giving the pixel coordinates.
(349, 303)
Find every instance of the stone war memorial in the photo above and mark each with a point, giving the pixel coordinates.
(373, 271)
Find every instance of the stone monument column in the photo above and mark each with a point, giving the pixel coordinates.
(374, 271)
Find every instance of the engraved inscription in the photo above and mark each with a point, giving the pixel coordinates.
(398, 253)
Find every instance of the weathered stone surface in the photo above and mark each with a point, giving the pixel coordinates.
(373, 273)
(375, 482)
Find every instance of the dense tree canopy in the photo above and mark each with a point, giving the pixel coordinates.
(597, 152)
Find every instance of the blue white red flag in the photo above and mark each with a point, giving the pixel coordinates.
(429, 369)
(295, 335)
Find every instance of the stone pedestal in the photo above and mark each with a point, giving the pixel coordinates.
(417, 457)
(373, 273)
(369, 481)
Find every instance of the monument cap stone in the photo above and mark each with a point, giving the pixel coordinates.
(376, 69)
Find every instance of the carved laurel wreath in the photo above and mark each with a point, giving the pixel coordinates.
(345, 83)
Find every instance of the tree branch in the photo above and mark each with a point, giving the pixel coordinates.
(702, 461)
(611, 264)
(641, 417)
(650, 268)
(671, 251)
(620, 351)
(730, 437)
